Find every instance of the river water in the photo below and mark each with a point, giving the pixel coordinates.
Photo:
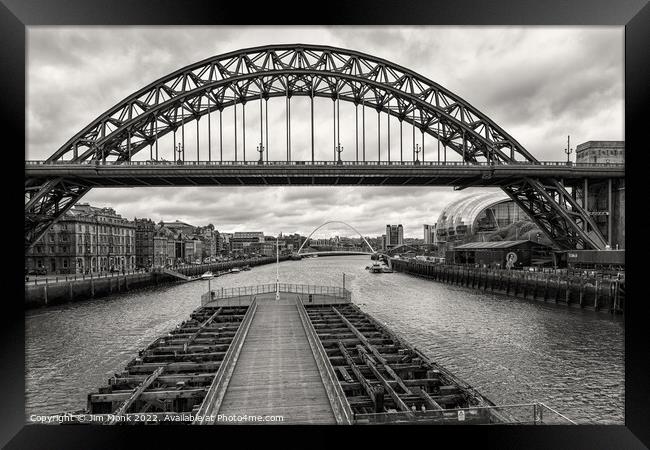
(512, 351)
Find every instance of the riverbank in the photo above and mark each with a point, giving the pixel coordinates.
(590, 292)
(89, 287)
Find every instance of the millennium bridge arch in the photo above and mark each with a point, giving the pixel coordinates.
(103, 153)
(372, 250)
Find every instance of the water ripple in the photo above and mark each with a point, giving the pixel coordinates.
(511, 350)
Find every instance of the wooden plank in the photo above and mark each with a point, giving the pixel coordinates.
(276, 372)
(397, 378)
(361, 337)
(124, 407)
(175, 367)
(396, 398)
(165, 379)
(355, 369)
(203, 325)
(149, 395)
(346, 375)
(428, 400)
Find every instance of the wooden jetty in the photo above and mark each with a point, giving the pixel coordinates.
(308, 356)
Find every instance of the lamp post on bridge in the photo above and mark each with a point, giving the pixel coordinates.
(417, 152)
(568, 150)
(179, 150)
(260, 150)
(339, 150)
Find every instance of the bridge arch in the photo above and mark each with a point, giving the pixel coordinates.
(372, 250)
(261, 73)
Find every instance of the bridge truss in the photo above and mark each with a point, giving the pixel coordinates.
(255, 75)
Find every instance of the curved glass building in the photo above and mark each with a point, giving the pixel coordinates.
(477, 213)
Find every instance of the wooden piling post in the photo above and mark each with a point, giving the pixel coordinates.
(546, 287)
(581, 293)
(596, 296)
(567, 292)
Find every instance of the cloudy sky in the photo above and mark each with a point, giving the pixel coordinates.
(538, 83)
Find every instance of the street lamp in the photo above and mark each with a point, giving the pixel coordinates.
(568, 150)
(339, 150)
(417, 152)
(179, 150)
(260, 149)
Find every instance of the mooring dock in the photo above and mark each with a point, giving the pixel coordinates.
(311, 356)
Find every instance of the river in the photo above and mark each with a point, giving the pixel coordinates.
(512, 351)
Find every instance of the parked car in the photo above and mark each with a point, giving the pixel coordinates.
(38, 271)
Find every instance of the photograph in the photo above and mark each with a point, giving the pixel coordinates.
(324, 225)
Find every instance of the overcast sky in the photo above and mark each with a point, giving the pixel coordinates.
(538, 83)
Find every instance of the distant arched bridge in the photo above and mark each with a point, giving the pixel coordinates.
(372, 251)
(112, 150)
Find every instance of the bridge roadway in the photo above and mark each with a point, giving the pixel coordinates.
(395, 173)
(272, 370)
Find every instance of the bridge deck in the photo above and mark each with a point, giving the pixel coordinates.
(276, 373)
(142, 173)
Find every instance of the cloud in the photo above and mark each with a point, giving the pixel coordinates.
(538, 83)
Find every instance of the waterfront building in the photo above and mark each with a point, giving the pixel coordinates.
(394, 235)
(192, 250)
(144, 248)
(242, 239)
(225, 242)
(471, 217)
(164, 246)
(210, 237)
(86, 239)
(502, 254)
(294, 241)
(179, 227)
(429, 234)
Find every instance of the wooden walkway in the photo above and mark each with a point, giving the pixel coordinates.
(276, 373)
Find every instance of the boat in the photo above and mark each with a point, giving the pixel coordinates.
(235, 270)
(207, 275)
(246, 268)
(386, 269)
(375, 268)
(247, 323)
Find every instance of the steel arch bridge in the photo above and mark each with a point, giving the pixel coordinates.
(102, 154)
(372, 250)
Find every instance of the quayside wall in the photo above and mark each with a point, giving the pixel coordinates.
(606, 294)
(40, 293)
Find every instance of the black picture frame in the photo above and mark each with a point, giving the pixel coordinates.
(16, 15)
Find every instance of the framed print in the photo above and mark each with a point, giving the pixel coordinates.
(412, 216)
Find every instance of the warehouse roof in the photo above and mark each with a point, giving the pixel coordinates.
(492, 245)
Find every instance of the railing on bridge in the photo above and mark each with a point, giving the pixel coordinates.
(269, 288)
(322, 163)
(520, 414)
